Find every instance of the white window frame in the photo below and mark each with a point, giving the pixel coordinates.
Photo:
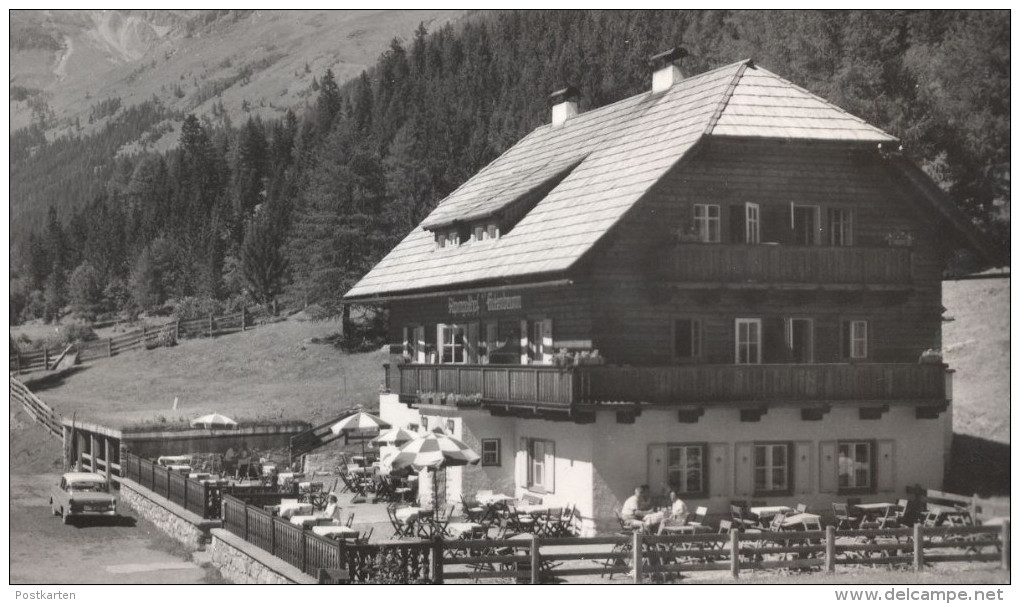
(707, 226)
(683, 468)
(770, 466)
(739, 342)
(492, 231)
(752, 223)
(478, 233)
(858, 339)
(847, 450)
(841, 230)
(453, 329)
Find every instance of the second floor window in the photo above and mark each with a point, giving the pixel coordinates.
(855, 465)
(752, 222)
(707, 225)
(841, 227)
(855, 339)
(748, 341)
(686, 339)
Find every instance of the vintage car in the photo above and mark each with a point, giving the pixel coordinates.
(80, 494)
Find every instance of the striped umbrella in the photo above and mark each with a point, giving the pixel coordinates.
(434, 451)
(394, 437)
(214, 420)
(359, 424)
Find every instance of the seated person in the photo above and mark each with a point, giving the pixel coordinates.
(636, 507)
(677, 509)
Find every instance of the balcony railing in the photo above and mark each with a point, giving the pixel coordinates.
(789, 265)
(558, 388)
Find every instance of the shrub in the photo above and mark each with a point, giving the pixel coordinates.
(192, 307)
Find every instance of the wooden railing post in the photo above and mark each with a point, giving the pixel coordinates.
(638, 557)
(830, 549)
(186, 481)
(1005, 544)
(46, 359)
(246, 522)
(918, 548)
(536, 561)
(304, 550)
(210, 324)
(177, 330)
(735, 553)
(437, 561)
(242, 319)
(272, 537)
(109, 347)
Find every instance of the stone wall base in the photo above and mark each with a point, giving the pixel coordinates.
(186, 527)
(243, 563)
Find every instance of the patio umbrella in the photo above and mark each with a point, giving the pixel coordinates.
(214, 420)
(359, 424)
(434, 451)
(394, 437)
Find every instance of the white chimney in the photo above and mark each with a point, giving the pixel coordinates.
(666, 69)
(564, 105)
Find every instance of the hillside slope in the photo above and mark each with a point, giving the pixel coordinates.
(976, 344)
(273, 372)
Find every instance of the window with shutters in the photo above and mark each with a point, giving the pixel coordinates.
(752, 223)
(491, 452)
(855, 339)
(800, 340)
(707, 222)
(807, 224)
(772, 468)
(452, 339)
(748, 342)
(685, 469)
(541, 457)
(856, 466)
(686, 339)
(841, 227)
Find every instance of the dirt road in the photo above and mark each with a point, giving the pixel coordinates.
(125, 550)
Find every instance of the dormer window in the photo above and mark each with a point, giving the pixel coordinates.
(447, 238)
(485, 232)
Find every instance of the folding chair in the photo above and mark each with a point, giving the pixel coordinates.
(843, 518)
(400, 529)
(364, 539)
(613, 564)
(473, 511)
(517, 522)
(801, 508)
(350, 520)
(699, 516)
(739, 520)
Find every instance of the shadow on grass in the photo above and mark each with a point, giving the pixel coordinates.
(52, 379)
(90, 521)
(978, 466)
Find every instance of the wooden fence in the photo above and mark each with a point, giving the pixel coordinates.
(197, 496)
(146, 337)
(662, 558)
(40, 411)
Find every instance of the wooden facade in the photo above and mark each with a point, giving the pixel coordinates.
(626, 296)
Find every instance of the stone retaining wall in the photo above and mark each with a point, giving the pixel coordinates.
(242, 562)
(186, 527)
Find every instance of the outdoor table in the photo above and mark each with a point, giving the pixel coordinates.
(199, 475)
(336, 532)
(493, 499)
(802, 518)
(768, 511)
(532, 509)
(687, 529)
(309, 486)
(295, 509)
(180, 460)
(283, 477)
(183, 469)
(464, 529)
(873, 512)
(358, 459)
(411, 514)
(308, 521)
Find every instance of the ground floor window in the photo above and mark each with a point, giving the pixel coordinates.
(491, 452)
(541, 459)
(855, 464)
(771, 467)
(685, 469)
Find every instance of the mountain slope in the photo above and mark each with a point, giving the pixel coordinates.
(65, 64)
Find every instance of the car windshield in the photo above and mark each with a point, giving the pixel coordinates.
(88, 487)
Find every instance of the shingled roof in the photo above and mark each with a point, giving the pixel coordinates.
(613, 156)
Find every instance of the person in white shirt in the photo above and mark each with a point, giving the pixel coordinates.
(678, 509)
(636, 507)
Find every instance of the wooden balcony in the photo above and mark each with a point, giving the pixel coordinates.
(698, 264)
(554, 388)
